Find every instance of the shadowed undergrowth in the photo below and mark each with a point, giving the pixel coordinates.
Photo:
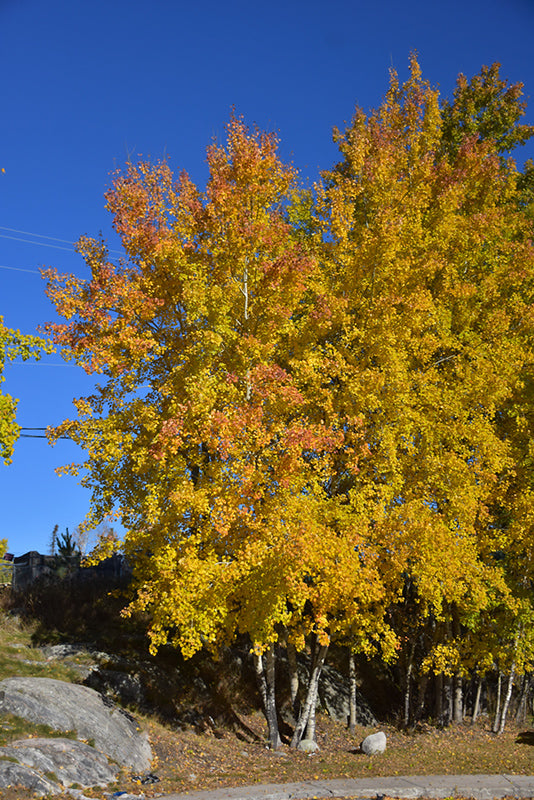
(226, 745)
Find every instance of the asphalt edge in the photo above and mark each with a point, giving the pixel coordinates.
(480, 787)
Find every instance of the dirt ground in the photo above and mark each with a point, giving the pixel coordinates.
(186, 760)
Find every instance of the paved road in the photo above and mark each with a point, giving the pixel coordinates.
(482, 787)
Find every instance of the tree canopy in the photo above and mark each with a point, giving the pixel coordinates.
(315, 407)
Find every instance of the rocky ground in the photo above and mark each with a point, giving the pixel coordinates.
(185, 761)
(196, 749)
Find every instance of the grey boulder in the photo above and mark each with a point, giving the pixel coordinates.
(375, 743)
(13, 774)
(70, 761)
(308, 746)
(334, 695)
(66, 707)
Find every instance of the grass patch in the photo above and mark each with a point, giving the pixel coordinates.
(26, 662)
(20, 658)
(12, 633)
(13, 727)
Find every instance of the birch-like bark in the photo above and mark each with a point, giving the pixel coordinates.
(476, 709)
(498, 706)
(293, 680)
(506, 704)
(352, 692)
(447, 692)
(407, 694)
(408, 686)
(458, 699)
(310, 725)
(456, 716)
(511, 677)
(308, 709)
(265, 674)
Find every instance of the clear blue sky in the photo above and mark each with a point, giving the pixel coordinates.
(89, 83)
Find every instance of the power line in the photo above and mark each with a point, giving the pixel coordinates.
(38, 364)
(41, 244)
(38, 435)
(21, 269)
(42, 236)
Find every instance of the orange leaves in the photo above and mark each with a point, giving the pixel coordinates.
(105, 311)
(248, 167)
(138, 202)
(201, 433)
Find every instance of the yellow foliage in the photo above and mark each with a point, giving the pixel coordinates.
(314, 408)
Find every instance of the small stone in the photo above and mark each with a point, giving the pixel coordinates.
(308, 746)
(375, 743)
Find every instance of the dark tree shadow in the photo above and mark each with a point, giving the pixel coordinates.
(525, 737)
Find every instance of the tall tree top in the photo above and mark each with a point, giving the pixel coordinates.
(487, 106)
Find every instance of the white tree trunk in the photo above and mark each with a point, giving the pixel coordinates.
(458, 706)
(265, 674)
(352, 692)
(476, 709)
(498, 706)
(407, 693)
(510, 685)
(507, 698)
(308, 709)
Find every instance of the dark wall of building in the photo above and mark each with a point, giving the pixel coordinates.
(33, 566)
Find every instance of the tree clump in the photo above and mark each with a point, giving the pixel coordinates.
(314, 417)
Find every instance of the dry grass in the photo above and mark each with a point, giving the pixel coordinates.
(19, 657)
(186, 761)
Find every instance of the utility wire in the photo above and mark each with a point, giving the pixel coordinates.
(41, 244)
(38, 364)
(21, 269)
(41, 236)
(39, 435)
